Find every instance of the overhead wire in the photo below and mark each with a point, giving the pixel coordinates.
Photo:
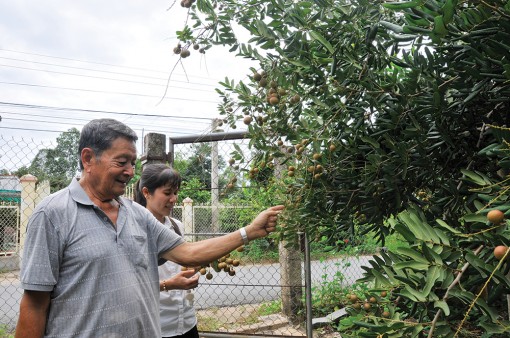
(106, 92)
(22, 105)
(111, 79)
(100, 63)
(96, 91)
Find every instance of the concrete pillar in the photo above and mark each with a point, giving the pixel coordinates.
(155, 149)
(43, 190)
(29, 199)
(187, 218)
(291, 277)
(291, 282)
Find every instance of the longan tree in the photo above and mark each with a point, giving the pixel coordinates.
(390, 115)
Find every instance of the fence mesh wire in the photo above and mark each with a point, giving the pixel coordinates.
(246, 298)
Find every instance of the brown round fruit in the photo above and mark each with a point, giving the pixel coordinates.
(373, 300)
(263, 83)
(356, 306)
(317, 156)
(353, 298)
(500, 251)
(247, 120)
(185, 53)
(240, 249)
(367, 306)
(257, 77)
(231, 161)
(384, 293)
(209, 276)
(495, 216)
(203, 271)
(273, 100)
(236, 262)
(385, 314)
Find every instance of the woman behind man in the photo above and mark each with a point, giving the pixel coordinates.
(157, 190)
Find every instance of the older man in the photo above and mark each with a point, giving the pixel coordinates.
(90, 257)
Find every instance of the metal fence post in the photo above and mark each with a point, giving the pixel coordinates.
(215, 195)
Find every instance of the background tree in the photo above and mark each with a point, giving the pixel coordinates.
(393, 115)
(58, 165)
(196, 169)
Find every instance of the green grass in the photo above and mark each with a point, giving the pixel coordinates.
(208, 322)
(4, 333)
(270, 308)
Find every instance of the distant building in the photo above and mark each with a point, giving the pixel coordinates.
(10, 189)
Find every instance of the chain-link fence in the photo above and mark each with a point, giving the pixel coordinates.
(247, 294)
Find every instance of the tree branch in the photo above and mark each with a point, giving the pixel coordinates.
(445, 297)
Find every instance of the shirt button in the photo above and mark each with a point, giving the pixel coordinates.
(105, 219)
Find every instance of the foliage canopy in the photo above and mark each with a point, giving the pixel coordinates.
(393, 115)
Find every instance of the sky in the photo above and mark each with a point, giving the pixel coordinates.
(63, 63)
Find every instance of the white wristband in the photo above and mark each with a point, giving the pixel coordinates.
(244, 236)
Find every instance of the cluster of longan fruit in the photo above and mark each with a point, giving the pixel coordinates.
(370, 304)
(274, 94)
(226, 264)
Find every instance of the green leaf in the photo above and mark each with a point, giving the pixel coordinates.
(443, 306)
(405, 232)
(318, 36)
(380, 279)
(439, 26)
(391, 26)
(413, 254)
(413, 294)
(475, 218)
(446, 226)
(474, 177)
(263, 29)
(398, 5)
(298, 63)
(420, 266)
(448, 10)
(492, 328)
(432, 276)
(370, 140)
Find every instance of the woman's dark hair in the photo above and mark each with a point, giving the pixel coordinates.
(99, 135)
(155, 176)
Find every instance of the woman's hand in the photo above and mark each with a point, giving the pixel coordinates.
(184, 280)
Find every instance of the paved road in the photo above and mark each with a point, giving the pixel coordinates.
(251, 284)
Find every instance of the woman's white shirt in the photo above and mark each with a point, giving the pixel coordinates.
(177, 314)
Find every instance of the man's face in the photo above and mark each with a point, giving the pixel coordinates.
(111, 172)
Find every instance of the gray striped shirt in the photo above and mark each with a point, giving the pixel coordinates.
(103, 281)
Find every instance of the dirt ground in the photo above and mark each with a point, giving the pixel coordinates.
(244, 320)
